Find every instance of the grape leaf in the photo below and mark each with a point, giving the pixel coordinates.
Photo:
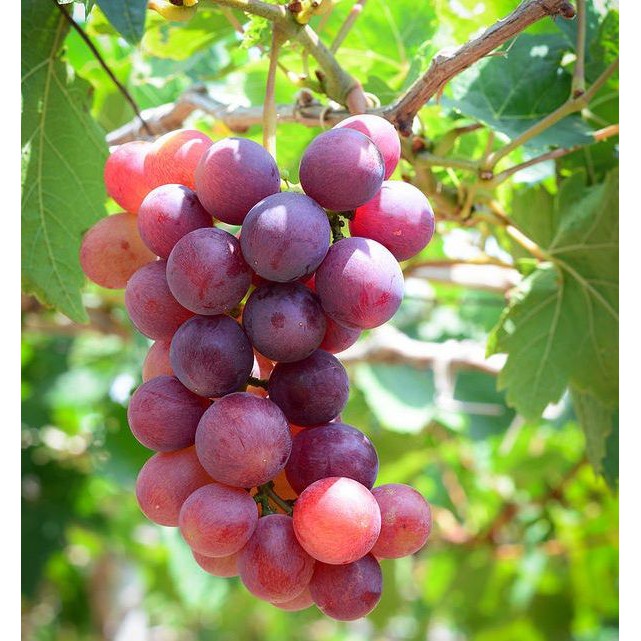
(63, 154)
(127, 16)
(510, 93)
(561, 326)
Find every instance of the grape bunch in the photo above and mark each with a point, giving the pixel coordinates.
(242, 394)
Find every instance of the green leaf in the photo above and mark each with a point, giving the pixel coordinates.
(561, 326)
(127, 16)
(63, 155)
(512, 92)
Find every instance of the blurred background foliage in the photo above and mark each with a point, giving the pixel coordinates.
(525, 544)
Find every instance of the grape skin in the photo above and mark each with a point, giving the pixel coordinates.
(335, 449)
(285, 237)
(125, 177)
(221, 566)
(273, 566)
(243, 440)
(399, 217)
(112, 251)
(341, 169)
(165, 481)
(284, 321)
(347, 592)
(211, 355)
(338, 338)
(383, 135)
(406, 521)
(163, 414)
(312, 391)
(156, 361)
(232, 176)
(301, 602)
(337, 520)
(217, 520)
(168, 213)
(150, 304)
(360, 283)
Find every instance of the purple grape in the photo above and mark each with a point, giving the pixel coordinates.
(399, 217)
(285, 237)
(284, 321)
(335, 449)
(243, 441)
(359, 283)
(312, 391)
(338, 338)
(273, 566)
(168, 213)
(151, 306)
(347, 592)
(232, 176)
(211, 355)
(206, 271)
(163, 414)
(341, 169)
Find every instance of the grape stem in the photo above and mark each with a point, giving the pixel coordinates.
(269, 107)
(257, 382)
(266, 491)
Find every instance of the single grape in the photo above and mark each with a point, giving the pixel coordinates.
(301, 602)
(243, 440)
(359, 283)
(168, 213)
(125, 177)
(217, 520)
(157, 362)
(284, 321)
(163, 414)
(165, 481)
(151, 306)
(211, 355)
(112, 250)
(347, 592)
(382, 133)
(337, 520)
(273, 566)
(399, 217)
(222, 566)
(173, 157)
(406, 521)
(285, 237)
(338, 338)
(312, 391)
(206, 271)
(335, 449)
(232, 176)
(341, 169)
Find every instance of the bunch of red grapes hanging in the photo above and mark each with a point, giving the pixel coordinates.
(242, 393)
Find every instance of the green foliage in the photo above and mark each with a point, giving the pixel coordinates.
(63, 153)
(127, 16)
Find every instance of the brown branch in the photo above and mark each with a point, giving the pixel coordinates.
(355, 11)
(488, 277)
(448, 63)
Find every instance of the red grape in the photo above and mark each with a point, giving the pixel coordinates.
(301, 602)
(337, 520)
(338, 338)
(156, 362)
(223, 566)
(273, 566)
(217, 520)
(125, 177)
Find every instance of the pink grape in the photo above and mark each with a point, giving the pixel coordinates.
(222, 566)
(359, 283)
(232, 176)
(347, 592)
(217, 520)
(173, 157)
(150, 304)
(168, 213)
(337, 520)
(301, 602)
(163, 414)
(399, 217)
(165, 481)
(125, 177)
(273, 566)
(243, 440)
(112, 250)
(156, 362)
(406, 521)
(383, 135)
(338, 338)
(341, 169)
